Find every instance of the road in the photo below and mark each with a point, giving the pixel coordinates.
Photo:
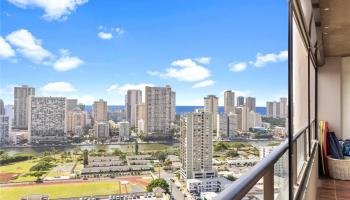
(175, 192)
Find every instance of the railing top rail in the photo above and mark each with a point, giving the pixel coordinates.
(239, 188)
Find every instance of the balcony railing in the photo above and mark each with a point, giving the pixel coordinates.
(303, 152)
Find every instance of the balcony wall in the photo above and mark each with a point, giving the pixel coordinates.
(329, 93)
(346, 97)
(334, 95)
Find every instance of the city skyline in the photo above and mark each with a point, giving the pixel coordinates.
(126, 50)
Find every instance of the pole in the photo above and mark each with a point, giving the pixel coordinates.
(290, 99)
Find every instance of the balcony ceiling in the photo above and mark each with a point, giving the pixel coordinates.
(335, 22)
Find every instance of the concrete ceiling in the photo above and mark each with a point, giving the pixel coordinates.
(335, 25)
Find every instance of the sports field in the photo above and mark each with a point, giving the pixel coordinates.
(16, 169)
(75, 189)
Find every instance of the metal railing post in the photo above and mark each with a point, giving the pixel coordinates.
(269, 184)
(307, 141)
(294, 164)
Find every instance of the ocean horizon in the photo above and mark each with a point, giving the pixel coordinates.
(179, 109)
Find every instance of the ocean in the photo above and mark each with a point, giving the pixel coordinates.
(179, 109)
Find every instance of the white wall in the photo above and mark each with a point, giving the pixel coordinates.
(329, 93)
(345, 73)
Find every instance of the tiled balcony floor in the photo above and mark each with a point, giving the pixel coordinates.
(333, 189)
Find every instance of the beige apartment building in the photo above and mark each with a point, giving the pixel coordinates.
(159, 110)
(196, 151)
(22, 95)
(132, 99)
(211, 105)
(229, 101)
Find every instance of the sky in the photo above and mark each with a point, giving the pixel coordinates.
(92, 49)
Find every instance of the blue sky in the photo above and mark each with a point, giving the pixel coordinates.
(99, 49)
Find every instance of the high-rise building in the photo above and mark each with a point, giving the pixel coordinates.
(284, 107)
(100, 110)
(160, 110)
(227, 125)
(211, 105)
(21, 100)
(4, 129)
(240, 101)
(273, 109)
(242, 118)
(251, 103)
(2, 107)
(253, 120)
(132, 99)
(76, 121)
(71, 104)
(9, 111)
(247, 119)
(229, 101)
(101, 129)
(124, 130)
(140, 117)
(47, 119)
(269, 109)
(196, 151)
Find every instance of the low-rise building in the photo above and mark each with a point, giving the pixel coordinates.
(139, 157)
(198, 186)
(113, 164)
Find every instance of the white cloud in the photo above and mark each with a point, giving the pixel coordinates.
(29, 46)
(154, 73)
(112, 88)
(57, 88)
(202, 84)
(54, 9)
(184, 70)
(238, 67)
(203, 60)
(6, 93)
(119, 31)
(141, 86)
(108, 33)
(84, 99)
(105, 35)
(262, 59)
(64, 52)
(6, 50)
(7, 14)
(66, 63)
(128, 86)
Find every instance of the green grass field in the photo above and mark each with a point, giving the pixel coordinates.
(18, 167)
(23, 178)
(63, 190)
